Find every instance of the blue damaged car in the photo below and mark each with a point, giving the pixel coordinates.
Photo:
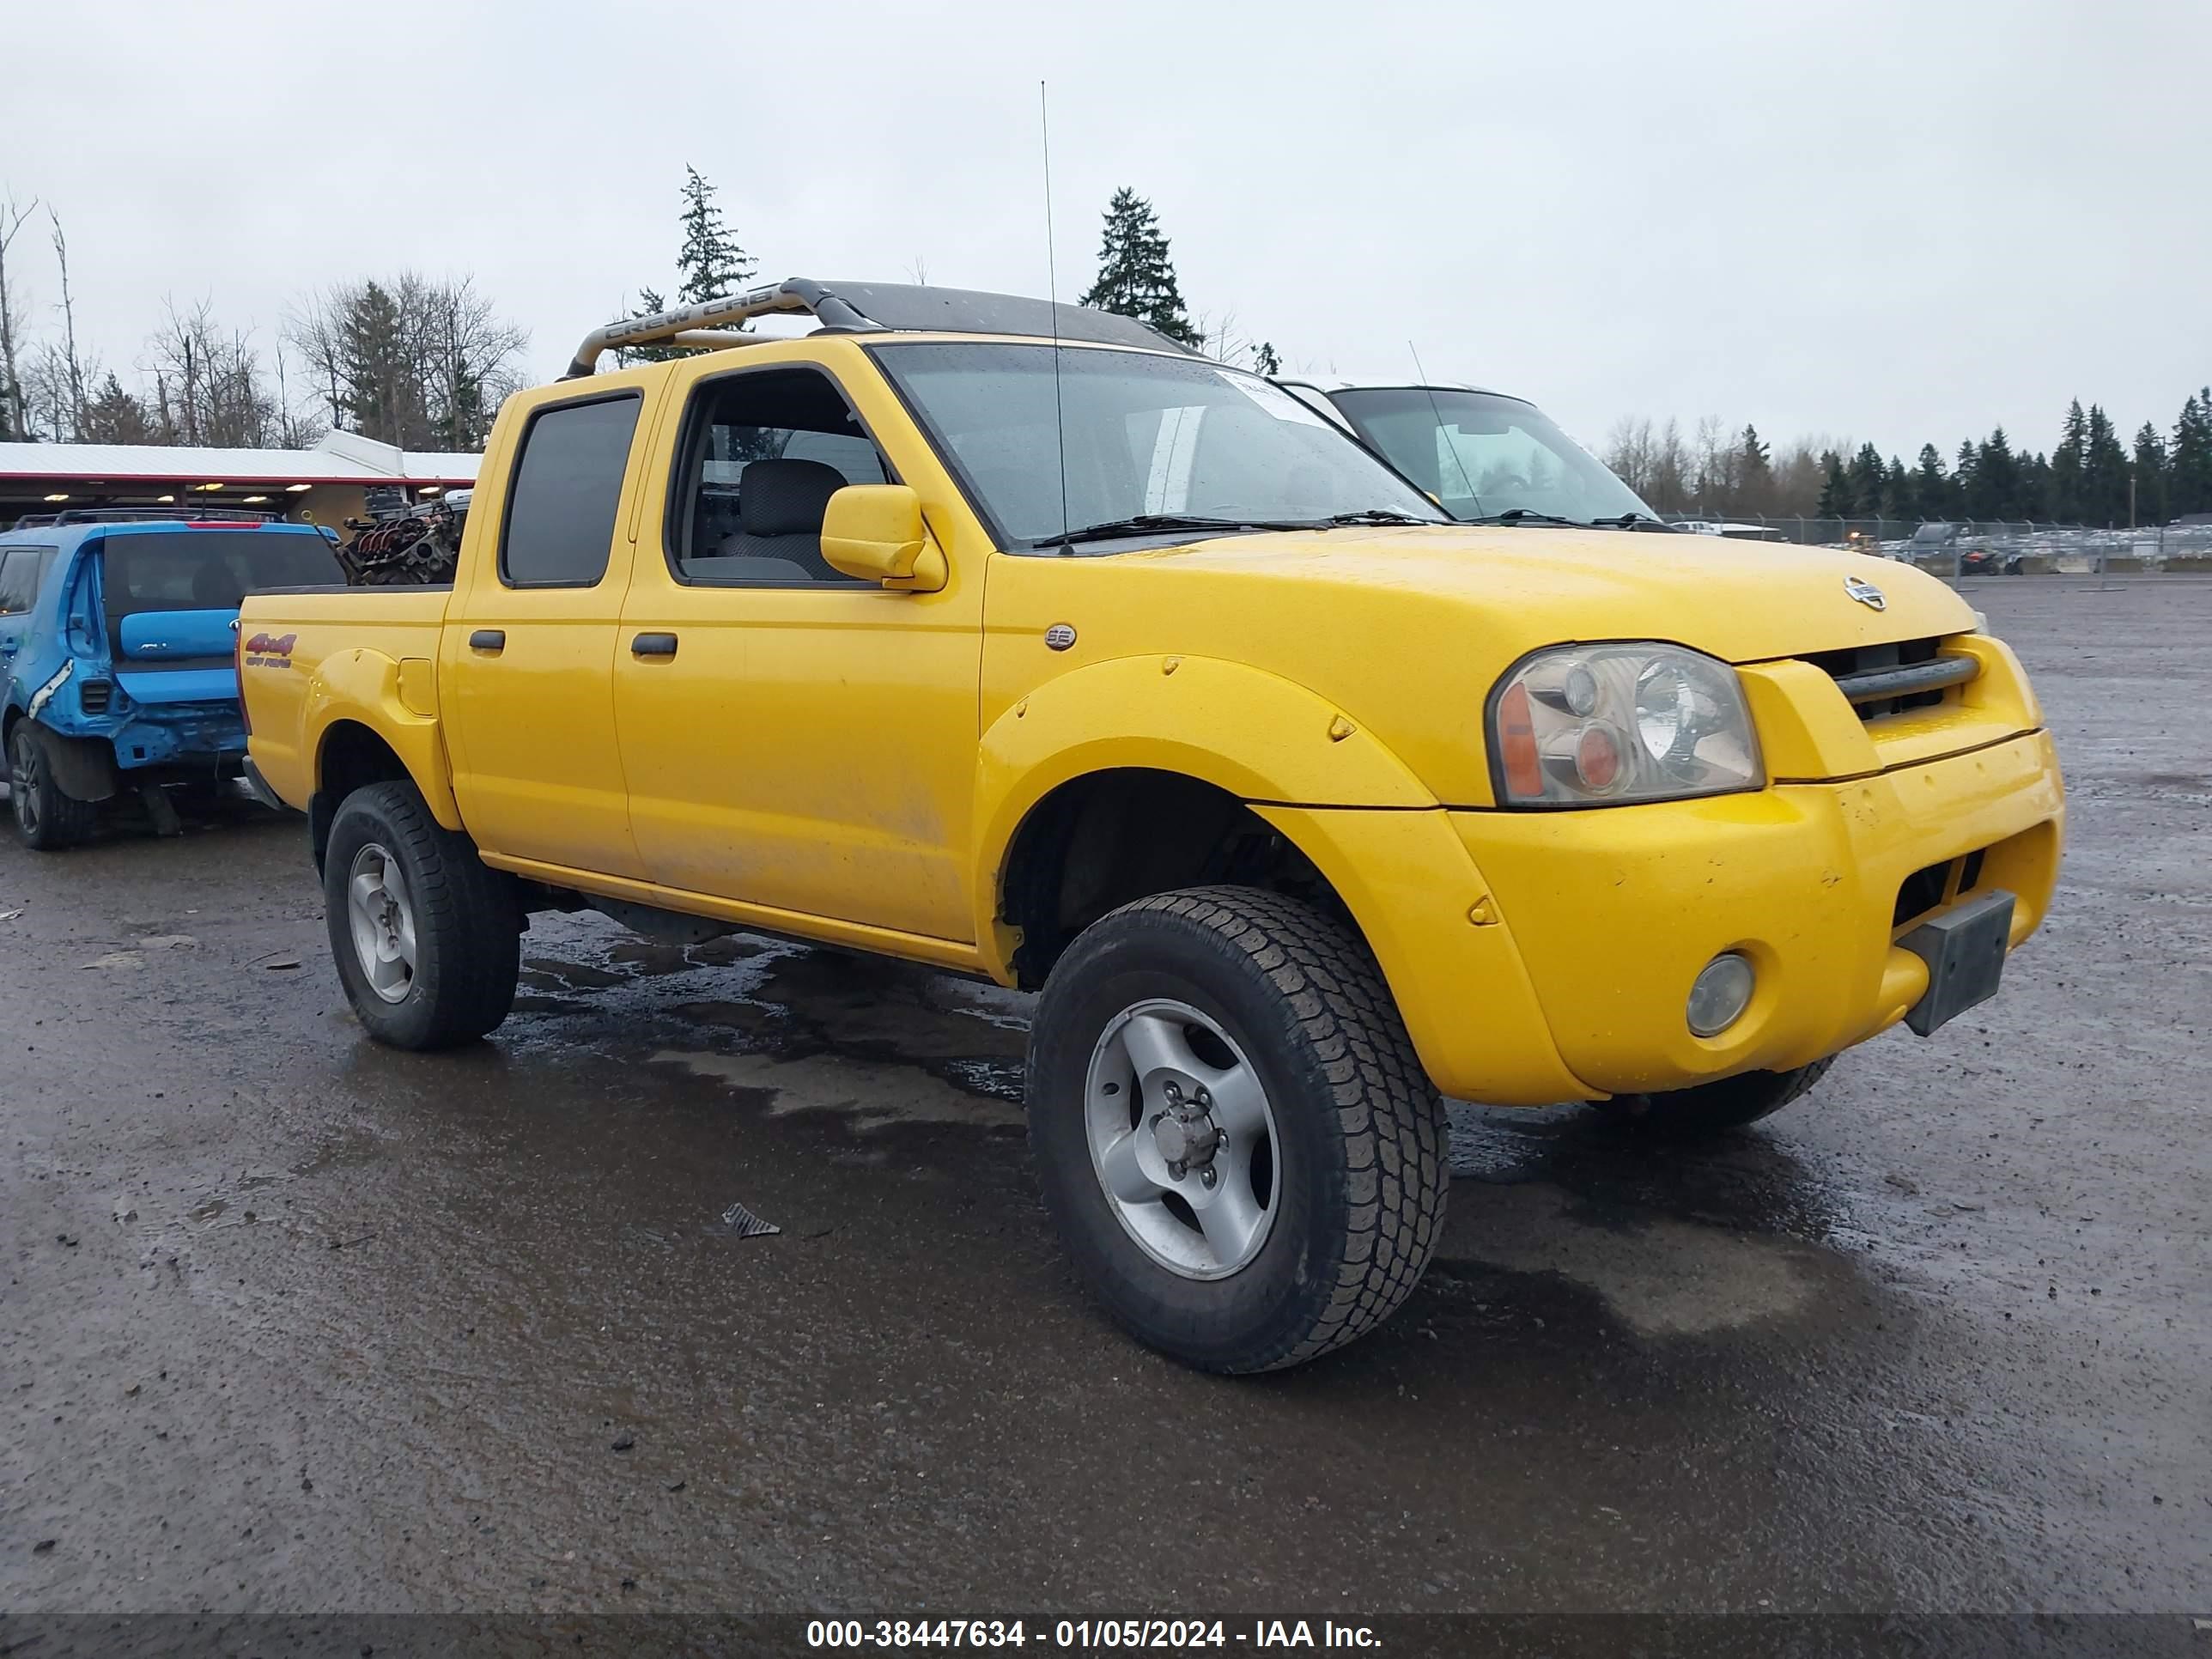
(118, 653)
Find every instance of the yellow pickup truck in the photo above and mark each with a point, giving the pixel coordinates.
(1012, 639)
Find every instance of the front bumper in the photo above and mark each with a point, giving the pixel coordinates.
(1540, 956)
(1616, 911)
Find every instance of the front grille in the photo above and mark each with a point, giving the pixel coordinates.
(1888, 679)
(93, 695)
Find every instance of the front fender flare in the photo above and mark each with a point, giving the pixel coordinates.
(364, 686)
(1257, 735)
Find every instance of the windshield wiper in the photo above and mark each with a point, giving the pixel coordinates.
(1378, 516)
(1522, 515)
(1631, 521)
(1146, 524)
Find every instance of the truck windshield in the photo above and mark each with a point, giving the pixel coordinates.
(1151, 444)
(204, 569)
(1485, 456)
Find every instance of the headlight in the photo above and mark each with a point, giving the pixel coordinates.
(1598, 725)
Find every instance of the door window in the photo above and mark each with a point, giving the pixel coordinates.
(566, 493)
(764, 451)
(21, 571)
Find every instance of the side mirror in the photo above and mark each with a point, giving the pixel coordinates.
(876, 532)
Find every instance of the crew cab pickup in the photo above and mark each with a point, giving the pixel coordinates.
(1012, 639)
(116, 677)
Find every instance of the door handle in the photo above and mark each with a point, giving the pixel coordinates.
(653, 645)
(488, 639)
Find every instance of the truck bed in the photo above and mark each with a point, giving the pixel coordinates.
(367, 637)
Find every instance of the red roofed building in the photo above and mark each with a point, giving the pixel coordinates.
(327, 484)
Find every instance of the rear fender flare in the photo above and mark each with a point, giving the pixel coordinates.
(363, 686)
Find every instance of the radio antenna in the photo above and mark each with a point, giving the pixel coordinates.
(1051, 294)
(1437, 414)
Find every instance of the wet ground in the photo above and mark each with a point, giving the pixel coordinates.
(292, 1323)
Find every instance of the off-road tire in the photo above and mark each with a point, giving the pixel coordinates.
(46, 819)
(1361, 1169)
(467, 922)
(1715, 1108)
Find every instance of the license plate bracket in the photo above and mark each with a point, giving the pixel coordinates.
(1964, 951)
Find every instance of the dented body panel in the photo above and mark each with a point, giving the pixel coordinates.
(133, 690)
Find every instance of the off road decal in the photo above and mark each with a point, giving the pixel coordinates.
(263, 650)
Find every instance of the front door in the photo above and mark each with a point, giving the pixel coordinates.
(530, 639)
(795, 740)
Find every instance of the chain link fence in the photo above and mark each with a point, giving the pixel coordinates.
(1970, 548)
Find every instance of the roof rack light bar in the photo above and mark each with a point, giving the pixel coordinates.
(797, 293)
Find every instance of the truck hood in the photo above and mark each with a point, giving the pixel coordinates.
(1740, 601)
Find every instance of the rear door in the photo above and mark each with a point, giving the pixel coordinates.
(525, 667)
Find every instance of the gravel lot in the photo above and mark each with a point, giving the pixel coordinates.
(291, 1323)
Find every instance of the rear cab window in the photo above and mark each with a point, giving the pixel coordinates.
(566, 493)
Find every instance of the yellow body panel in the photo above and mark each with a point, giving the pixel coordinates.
(854, 764)
(351, 658)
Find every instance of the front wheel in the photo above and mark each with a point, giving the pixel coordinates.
(45, 817)
(1241, 1149)
(428, 938)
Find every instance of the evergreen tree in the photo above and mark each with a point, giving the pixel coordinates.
(1266, 361)
(2034, 485)
(2189, 460)
(1995, 493)
(1837, 501)
(2067, 462)
(1868, 479)
(1896, 492)
(1136, 277)
(113, 415)
(2103, 473)
(2149, 471)
(1965, 491)
(650, 301)
(377, 386)
(1754, 471)
(710, 264)
(1931, 485)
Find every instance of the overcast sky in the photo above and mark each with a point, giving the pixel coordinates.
(1894, 221)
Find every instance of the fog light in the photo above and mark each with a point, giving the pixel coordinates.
(1720, 994)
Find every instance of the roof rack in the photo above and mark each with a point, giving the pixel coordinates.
(143, 515)
(869, 307)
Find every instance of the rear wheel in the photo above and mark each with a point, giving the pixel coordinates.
(428, 938)
(1240, 1150)
(45, 817)
(1715, 1108)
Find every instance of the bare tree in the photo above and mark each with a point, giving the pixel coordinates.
(208, 388)
(1716, 468)
(15, 416)
(1628, 452)
(74, 367)
(409, 361)
(53, 402)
